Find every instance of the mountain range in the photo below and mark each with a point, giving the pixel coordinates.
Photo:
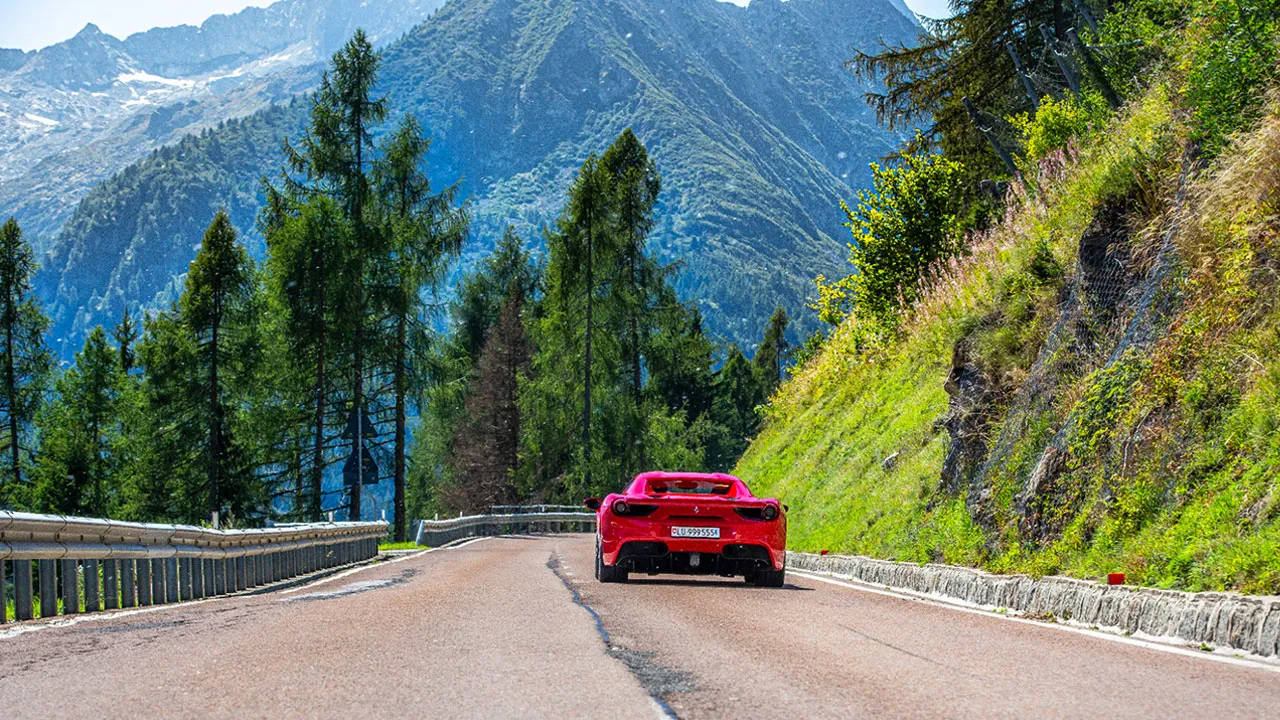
(756, 127)
(77, 112)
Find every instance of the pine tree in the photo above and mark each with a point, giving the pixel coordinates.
(448, 367)
(771, 356)
(216, 309)
(126, 333)
(75, 470)
(426, 231)
(573, 353)
(633, 185)
(739, 390)
(161, 448)
(332, 159)
(25, 362)
(306, 254)
(485, 448)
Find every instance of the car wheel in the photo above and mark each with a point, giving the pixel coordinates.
(608, 573)
(768, 578)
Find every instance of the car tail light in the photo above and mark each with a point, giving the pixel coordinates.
(622, 507)
(767, 512)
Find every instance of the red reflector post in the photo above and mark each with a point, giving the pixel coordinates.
(824, 552)
(1115, 579)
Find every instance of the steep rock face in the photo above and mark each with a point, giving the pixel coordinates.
(74, 113)
(972, 399)
(757, 128)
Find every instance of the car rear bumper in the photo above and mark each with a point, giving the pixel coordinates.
(687, 558)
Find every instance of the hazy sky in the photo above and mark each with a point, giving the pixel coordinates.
(32, 24)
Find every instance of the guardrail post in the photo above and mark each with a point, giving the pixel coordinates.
(22, 600)
(92, 603)
(197, 578)
(171, 580)
(210, 573)
(220, 576)
(157, 581)
(144, 582)
(129, 582)
(70, 588)
(4, 599)
(48, 588)
(251, 571)
(277, 566)
(185, 586)
(110, 586)
(240, 573)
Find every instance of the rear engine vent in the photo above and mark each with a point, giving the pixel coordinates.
(642, 548)
(746, 552)
(750, 513)
(634, 510)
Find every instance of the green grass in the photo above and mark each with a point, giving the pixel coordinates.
(1193, 502)
(383, 547)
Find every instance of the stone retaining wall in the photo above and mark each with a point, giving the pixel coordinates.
(1243, 622)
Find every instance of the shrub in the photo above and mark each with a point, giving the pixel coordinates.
(902, 230)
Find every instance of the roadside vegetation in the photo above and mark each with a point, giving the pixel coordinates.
(1080, 374)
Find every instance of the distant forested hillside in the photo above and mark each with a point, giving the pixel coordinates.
(755, 125)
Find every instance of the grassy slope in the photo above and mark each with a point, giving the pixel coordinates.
(1172, 462)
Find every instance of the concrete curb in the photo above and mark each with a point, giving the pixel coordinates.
(1247, 623)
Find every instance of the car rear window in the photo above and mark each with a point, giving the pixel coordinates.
(677, 486)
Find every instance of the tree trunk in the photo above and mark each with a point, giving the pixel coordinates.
(215, 416)
(11, 390)
(586, 386)
(317, 456)
(401, 359)
(357, 439)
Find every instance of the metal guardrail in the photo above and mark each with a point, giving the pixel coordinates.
(523, 509)
(88, 564)
(439, 532)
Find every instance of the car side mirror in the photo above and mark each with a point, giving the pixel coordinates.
(591, 503)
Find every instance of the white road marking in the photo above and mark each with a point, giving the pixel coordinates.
(1225, 655)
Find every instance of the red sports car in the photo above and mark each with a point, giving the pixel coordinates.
(690, 524)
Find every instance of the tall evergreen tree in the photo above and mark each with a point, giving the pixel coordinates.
(75, 471)
(967, 56)
(306, 253)
(25, 362)
(771, 356)
(633, 185)
(332, 158)
(161, 449)
(126, 333)
(448, 367)
(426, 231)
(216, 309)
(738, 391)
(485, 448)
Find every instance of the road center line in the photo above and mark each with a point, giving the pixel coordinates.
(1249, 661)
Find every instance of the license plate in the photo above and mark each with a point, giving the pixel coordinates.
(695, 532)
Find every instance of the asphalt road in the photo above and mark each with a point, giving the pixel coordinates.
(517, 627)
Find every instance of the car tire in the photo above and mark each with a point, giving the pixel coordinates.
(608, 573)
(768, 578)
